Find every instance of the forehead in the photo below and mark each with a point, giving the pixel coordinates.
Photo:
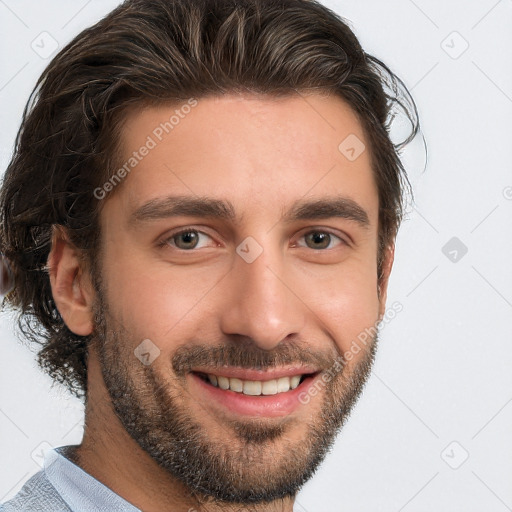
(253, 150)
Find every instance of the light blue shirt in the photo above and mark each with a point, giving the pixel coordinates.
(62, 486)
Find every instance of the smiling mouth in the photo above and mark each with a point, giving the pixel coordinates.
(255, 387)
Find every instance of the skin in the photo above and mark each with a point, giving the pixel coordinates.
(261, 154)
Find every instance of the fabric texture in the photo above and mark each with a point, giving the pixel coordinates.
(62, 486)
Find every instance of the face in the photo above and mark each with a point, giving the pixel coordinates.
(240, 252)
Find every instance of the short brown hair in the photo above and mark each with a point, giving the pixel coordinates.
(155, 51)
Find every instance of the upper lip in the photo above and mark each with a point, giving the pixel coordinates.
(243, 374)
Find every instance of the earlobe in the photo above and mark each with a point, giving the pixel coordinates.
(71, 288)
(387, 265)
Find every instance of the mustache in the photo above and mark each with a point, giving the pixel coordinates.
(247, 355)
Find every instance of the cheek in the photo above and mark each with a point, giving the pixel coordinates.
(156, 301)
(347, 307)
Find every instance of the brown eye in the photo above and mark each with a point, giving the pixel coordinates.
(186, 239)
(318, 240)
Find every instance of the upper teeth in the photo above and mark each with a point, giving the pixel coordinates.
(255, 387)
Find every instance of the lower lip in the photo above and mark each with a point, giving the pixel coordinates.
(280, 404)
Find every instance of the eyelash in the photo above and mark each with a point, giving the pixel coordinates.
(166, 240)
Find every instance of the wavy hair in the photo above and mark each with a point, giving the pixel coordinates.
(162, 51)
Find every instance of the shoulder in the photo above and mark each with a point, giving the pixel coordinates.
(37, 494)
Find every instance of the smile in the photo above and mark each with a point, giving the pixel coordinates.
(263, 393)
(254, 387)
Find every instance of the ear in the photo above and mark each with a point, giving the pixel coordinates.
(71, 286)
(387, 264)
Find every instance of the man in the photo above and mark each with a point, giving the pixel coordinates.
(201, 214)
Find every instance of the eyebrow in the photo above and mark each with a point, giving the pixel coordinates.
(172, 206)
(341, 207)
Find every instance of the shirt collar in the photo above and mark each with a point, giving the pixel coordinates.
(78, 489)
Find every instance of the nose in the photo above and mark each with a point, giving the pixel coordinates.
(261, 302)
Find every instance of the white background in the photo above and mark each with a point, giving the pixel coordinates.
(442, 385)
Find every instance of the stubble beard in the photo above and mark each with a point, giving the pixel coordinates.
(256, 462)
